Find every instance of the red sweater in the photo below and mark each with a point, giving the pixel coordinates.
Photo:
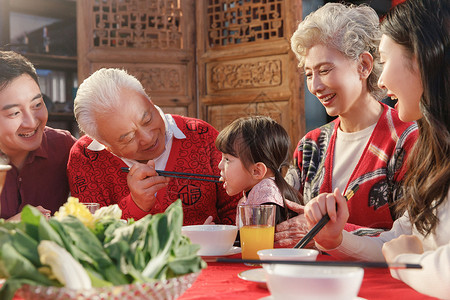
(378, 173)
(95, 176)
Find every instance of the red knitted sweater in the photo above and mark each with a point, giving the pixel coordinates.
(95, 176)
(378, 173)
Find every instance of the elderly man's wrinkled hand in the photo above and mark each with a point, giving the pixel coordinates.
(144, 182)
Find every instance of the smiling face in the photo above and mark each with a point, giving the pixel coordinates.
(333, 79)
(135, 129)
(23, 116)
(401, 78)
(235, 176)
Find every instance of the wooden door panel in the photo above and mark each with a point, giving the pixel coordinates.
(212, 59)
(222, 115)
(245, 63)
(246, 75)
(153, 40)
(165, 84)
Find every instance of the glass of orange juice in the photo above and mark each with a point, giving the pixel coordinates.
(257, 228)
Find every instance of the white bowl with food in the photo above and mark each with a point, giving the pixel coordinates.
(314, 282)
(214, 240)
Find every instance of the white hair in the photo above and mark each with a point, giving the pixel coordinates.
(99, 93)
(350, 29)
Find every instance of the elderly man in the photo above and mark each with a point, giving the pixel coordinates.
(38, 154)
(125, 129)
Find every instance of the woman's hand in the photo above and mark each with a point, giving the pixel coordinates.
(400, 245)
(289, 232)
(335, 205)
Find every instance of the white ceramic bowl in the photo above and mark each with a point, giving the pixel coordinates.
(314, 282)
(213, 239)
(288, 254)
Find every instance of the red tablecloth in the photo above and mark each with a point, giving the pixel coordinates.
(219, 281)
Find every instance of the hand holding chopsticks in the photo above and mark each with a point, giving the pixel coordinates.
(190, 176)
(312, 233)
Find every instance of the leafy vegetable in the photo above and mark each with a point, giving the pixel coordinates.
(65, 268)
(111, 251)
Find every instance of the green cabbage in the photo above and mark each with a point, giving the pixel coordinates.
(112, 253)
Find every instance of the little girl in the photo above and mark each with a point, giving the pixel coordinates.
(254, 151)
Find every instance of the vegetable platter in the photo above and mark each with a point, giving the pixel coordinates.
(77, 255)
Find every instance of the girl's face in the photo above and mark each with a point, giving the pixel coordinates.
(235, 176)
(23, 116)
(401, 78)
(333, 79)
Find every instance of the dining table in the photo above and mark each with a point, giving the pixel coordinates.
(220, 281)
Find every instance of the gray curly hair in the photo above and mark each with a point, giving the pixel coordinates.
(350, 29)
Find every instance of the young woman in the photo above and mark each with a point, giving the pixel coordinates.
(254, 151)
(414, 51)
(367, 143)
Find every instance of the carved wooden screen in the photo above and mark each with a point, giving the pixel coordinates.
(151, 39)
(246, 66)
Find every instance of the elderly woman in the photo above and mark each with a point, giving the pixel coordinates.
(367, 143)
(414, 50)
(125, 129)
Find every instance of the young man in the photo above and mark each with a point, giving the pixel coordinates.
(38, 154)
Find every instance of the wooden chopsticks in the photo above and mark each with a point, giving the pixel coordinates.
(312, 233)
(361, 264)
(182, 175)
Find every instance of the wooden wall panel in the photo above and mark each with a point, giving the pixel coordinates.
(211, 59)
(247, 78)
(151, 39)
(166, 84)
(222, 115)
(245, 63)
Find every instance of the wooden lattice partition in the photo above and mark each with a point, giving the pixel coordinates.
(212, 59)
(152, 39)
(246, 66)
(137, 24)
(237, 22)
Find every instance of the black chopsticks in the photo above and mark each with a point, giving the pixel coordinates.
(329, 263)
(312, 233)
(182, 175)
